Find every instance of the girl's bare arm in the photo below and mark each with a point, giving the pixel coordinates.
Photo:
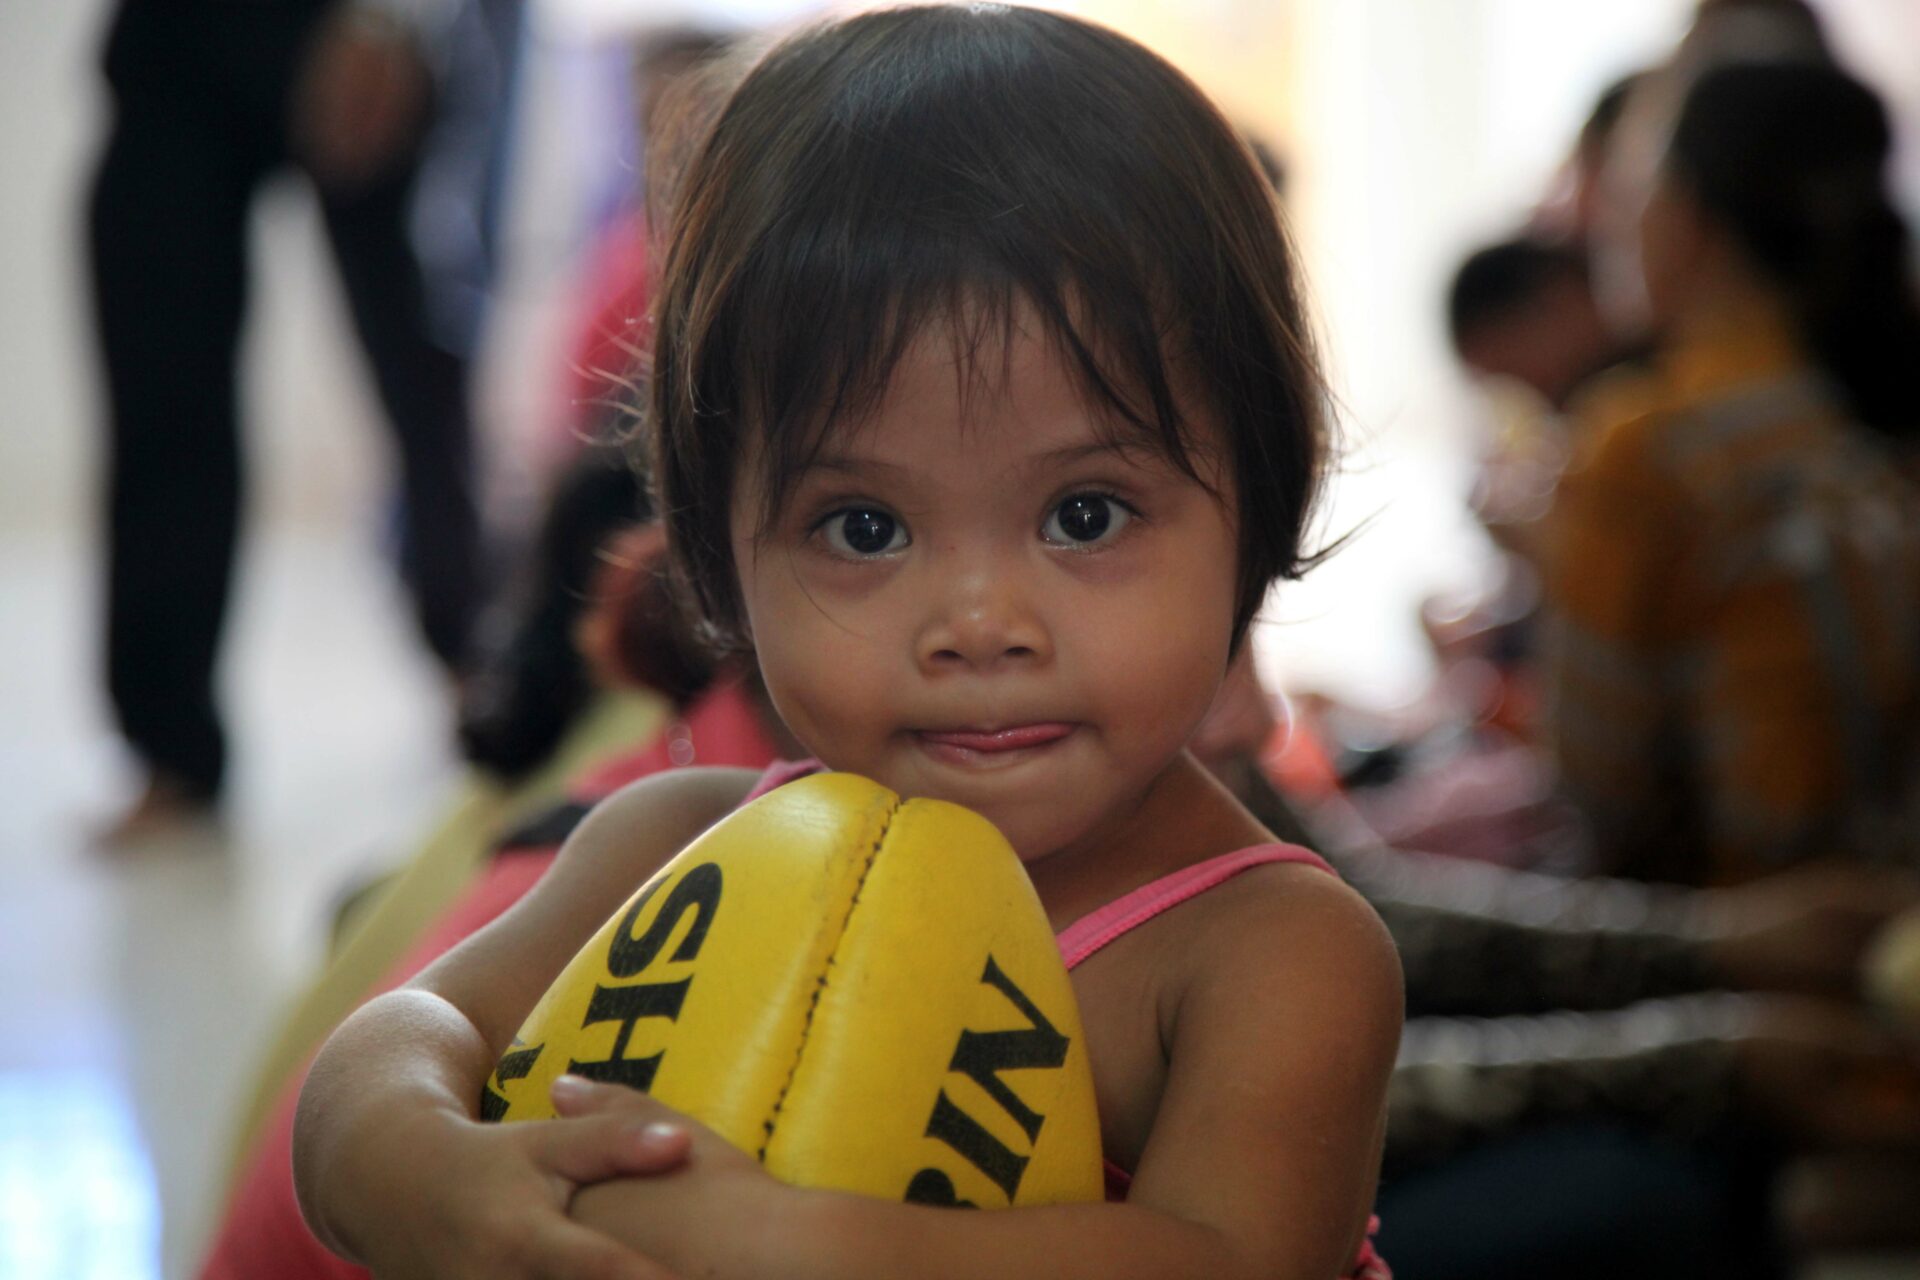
(391, 1166)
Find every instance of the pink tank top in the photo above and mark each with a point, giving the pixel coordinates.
(1128, 912)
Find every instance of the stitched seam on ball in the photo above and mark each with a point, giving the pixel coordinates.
(820, 985)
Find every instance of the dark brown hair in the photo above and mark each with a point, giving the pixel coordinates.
(1496, 282)
(1791, 158)
(962, 164)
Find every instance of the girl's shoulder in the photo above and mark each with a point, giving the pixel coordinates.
(1274, 899)
(692, 793)
(1286, 927)
(1242, 899)
(638, 828)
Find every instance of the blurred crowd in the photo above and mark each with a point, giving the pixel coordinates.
(1690, 699)
(1650, 845)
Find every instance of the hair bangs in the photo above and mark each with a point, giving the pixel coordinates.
(906, 217)
(974, 171)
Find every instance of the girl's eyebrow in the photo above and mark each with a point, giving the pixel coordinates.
(1133, 453)
(854, 465)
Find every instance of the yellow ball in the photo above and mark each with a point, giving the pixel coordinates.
(864, 993)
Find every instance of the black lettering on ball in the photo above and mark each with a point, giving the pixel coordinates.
(981, 1056)
(628, 1006)
(515, 1064)
(931, 1186)
(698, 890)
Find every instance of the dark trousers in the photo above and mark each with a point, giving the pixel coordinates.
(199, 125)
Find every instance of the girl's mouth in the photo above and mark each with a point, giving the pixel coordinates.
(966, 745)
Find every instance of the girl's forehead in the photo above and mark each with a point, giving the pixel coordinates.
(1010, 385)
(985, 381)
(950, 389)
(937, 428)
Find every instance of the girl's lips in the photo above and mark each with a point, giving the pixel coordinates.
(1015, 738)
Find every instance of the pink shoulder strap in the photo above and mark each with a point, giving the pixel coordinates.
(779, 774)
(1124, 914)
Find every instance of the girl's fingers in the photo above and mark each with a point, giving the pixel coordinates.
(575, 1097)
(578, 1096)
(593, 1149)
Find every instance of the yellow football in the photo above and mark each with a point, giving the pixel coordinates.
(862, 992)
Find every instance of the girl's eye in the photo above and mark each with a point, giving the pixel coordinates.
(863, 531)
(1085, 519)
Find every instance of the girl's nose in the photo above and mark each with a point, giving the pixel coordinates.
(982, 620)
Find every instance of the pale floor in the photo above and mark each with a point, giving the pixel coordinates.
(136, 990)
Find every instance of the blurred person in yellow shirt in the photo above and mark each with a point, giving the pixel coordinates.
(1733, 576)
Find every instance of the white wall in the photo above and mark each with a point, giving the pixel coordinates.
(48, 119)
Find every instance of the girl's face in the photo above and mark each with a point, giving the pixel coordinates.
(973, 596)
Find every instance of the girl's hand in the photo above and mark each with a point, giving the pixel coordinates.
(496, 1196)
(694, 1219)
(577, 1098)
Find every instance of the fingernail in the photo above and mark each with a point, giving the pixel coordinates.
(657, 1133)
(571, 1086)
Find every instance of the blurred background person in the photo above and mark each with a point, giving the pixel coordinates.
(528, 682)
(1523, 309)
(1732, 577)
(1738, 518)
(1571, 210)
(1623, 170)
(209, 101)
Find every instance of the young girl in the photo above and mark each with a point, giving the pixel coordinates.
(983, 412)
